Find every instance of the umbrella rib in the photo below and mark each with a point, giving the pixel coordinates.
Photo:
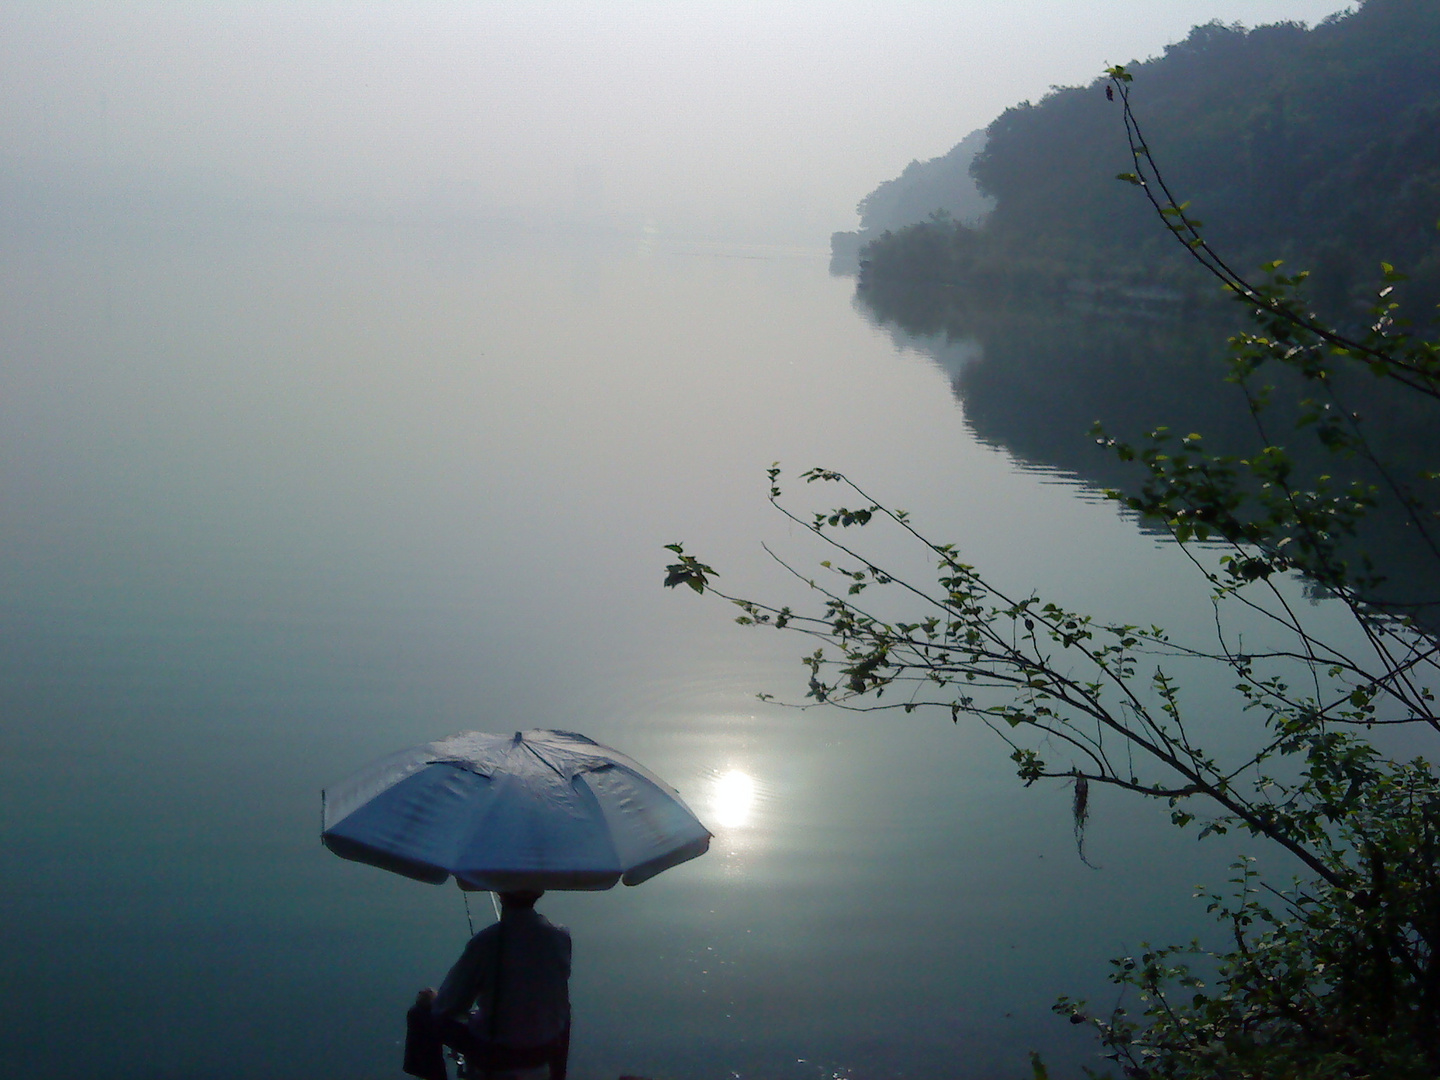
(536, 754)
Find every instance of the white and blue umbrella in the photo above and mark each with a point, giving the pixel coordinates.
(533, 810)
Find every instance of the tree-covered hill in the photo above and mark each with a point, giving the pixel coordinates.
(941, 186)
(1318, 146)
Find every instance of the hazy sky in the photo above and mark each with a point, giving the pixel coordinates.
(748, 118)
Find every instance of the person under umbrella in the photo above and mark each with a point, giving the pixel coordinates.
(514, 815)
(505, 1004)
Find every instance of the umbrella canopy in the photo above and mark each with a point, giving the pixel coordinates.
(536, 810)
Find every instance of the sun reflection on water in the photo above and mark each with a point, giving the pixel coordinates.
(732, 799)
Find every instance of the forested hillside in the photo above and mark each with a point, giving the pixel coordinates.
(941, 186)
(1318, 146)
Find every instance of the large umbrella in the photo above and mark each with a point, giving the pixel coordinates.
(536, 810)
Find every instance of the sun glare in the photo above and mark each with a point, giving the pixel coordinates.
(732, 798)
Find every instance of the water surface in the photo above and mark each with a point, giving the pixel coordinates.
(276, 505)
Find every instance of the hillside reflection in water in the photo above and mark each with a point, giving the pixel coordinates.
(1035, 374)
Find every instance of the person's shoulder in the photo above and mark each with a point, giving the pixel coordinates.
(559, 928)
(484, 937)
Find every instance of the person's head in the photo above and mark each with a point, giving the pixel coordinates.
(520, 898)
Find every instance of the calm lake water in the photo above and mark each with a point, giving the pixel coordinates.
(277, 505)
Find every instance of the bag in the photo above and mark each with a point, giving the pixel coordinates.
(424, 1049)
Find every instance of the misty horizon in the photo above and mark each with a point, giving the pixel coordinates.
(741, 122)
